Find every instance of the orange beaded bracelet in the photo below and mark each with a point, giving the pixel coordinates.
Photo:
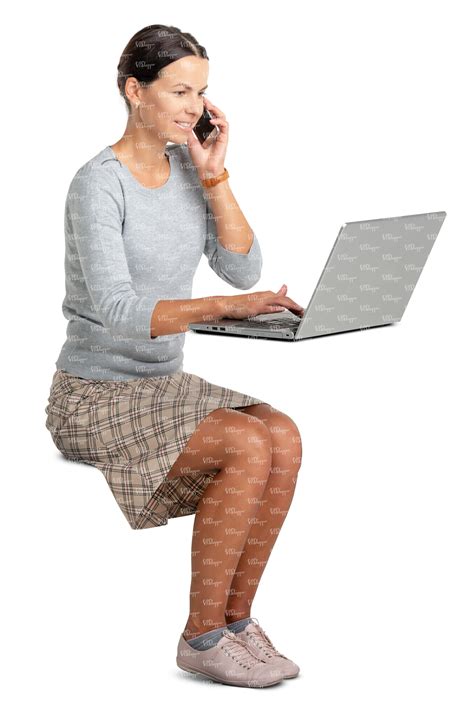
(210, 182)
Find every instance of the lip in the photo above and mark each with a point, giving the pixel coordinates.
(189, 128)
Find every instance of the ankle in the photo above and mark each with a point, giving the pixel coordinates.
(235, 616)
(194, 628)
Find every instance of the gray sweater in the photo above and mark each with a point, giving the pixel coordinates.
(127, 247)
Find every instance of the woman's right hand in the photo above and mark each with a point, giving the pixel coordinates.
(260, 302)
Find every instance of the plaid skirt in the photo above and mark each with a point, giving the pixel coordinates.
(134, 431)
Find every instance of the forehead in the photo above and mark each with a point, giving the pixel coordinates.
(192, 71)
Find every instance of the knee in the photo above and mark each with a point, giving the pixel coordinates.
(286, 439)
(248, 438)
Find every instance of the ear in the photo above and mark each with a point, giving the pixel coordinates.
(134, 91)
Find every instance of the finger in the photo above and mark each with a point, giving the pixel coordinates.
(222, 123)
(192, 140)
(291, 304)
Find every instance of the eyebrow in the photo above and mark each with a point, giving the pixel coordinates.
(189, 87)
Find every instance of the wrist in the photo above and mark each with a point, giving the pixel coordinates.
(204, 174)
(210, 178)
(223, 306)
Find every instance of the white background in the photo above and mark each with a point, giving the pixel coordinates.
(338, 111)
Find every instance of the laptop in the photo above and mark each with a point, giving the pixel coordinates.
(367, 282)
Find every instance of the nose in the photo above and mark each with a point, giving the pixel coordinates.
(195, 108)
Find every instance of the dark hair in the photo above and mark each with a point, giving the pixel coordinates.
(150, 50)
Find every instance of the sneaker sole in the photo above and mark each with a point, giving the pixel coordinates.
(256, 684)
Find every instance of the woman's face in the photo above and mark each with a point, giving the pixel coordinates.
(177, 96)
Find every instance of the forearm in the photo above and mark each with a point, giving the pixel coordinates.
(233, 230)
(174, 316)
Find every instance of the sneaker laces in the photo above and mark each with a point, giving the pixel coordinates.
(239, 650)
(261, 636)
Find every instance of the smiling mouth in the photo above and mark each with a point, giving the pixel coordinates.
(184, 126)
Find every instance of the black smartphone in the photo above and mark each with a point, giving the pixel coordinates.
(205, 131)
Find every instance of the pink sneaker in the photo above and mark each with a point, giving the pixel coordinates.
(230, 661)
(261, 645)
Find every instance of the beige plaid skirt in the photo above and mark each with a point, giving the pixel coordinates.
(134, 431)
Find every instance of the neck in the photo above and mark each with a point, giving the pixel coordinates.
(144, 152)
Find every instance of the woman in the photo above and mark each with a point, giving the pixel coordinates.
(139, 215)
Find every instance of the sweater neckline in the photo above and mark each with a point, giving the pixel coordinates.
(136, 183)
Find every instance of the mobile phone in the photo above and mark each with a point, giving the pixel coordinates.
(205, 131)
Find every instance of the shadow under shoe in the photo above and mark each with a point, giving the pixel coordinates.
(230, 661)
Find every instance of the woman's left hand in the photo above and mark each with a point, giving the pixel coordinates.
(210, 161)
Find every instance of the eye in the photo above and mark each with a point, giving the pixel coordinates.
(202, 93)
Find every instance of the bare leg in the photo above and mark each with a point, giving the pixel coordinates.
(240, 446)
(272, 510)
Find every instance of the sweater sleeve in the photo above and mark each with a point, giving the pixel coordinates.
(95, 210)
(239, 270)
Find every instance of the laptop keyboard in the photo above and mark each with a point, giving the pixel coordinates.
(291, 322)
